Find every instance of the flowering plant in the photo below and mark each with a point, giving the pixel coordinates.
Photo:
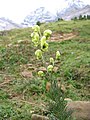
(50, 84)
(57, 55)
(40, 41)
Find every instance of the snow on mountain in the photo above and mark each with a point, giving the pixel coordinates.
(73, 8)
(76, 3)
(41, 15)
(6, 24)
(74, 11)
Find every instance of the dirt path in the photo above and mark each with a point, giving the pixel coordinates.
(62, 36)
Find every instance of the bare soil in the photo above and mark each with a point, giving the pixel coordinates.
(62, 36)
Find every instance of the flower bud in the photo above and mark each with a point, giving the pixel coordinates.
(58, 55)
(35, 38)
(38, 54)
(52, 61)
(50, 68)
(36, 28)
(40, 73)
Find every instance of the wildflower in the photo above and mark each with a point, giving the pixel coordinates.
(50, 68)
(44, 44)
(32, 35)
(47, 33)
(40, 73)
(43, 39)
(52, 61)
(35, 38)
(58, 55)
(36, 28)
(38, 54)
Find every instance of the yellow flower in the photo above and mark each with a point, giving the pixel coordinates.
(35, 38)
(32, 35)
(50, 68)
(58, 55)
(44, 44)
(36, 28)
(47, 33)
(38, 54)
(43, 39)
(40, 73)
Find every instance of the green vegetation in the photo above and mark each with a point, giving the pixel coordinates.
(20, 95)
(84, 17)
(38, 23)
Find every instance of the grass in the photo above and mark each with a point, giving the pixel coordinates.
(20, 95)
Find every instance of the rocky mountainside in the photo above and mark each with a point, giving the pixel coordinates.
(41, 15)
(74, 8)
(6, 24)
(77, 3)
(74, 11)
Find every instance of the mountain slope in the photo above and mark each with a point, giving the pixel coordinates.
(73, 8)
(77, 3)
(74, 11)
(40, 14)
(6, 24)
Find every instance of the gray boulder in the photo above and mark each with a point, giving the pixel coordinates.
(80, 109)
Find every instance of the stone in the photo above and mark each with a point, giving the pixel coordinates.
(55, 69)
(43, 69)
(80, 109)
(9, 45)
(68, 99)
(39, 117)
(27, 74)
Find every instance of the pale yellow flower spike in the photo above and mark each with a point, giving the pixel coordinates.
(58, 55)
(50, 68)
(38, 54)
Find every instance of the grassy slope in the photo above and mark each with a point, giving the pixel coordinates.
(16, 95)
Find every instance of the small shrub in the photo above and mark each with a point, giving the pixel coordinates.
(38, 23)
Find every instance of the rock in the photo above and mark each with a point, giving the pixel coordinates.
(20, 41)
(55, 69)
(80, 109)
(68, 99)
(43, 69)
(23, 41)
(61, 37)
(16, 45)
(39, 117)
(27, 74)
(9, 45)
